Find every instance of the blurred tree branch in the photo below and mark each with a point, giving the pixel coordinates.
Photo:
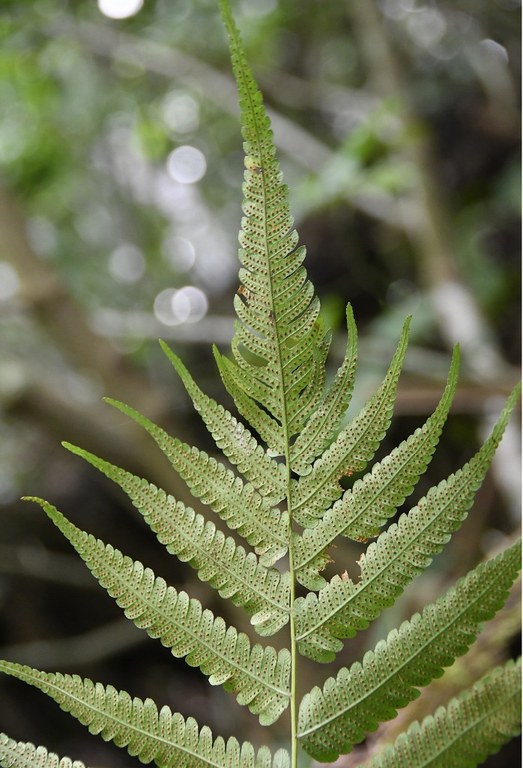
(304, 149)
(427, 223)
(171, 63)
(40, 396)
(425, 217)
(75, 651)
(37, 561)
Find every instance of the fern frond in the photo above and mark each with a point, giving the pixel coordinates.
(352, 449)
(151, 735)
(275, 345)
(465, 732)
(258, 676)
(234, 439)
(236, 574)
(398, 556)
(332, 720)
(278, 483)
(23, 754)
(268, 428)
(364, 508)
(324, 422)
(237, 503)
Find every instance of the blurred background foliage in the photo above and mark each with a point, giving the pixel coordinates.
(397, 123)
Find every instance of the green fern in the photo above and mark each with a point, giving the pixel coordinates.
(464, 733)
(22, 754)
(284, 497)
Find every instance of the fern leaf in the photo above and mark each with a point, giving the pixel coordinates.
(275, 349)
(332, 720)
(23, 754)
(320, 429)
(363, 509)
(400, 553)
(238, 504)
(352, 449)
(151, 735)
(258, 676)
(237, 443)
(465, 732)
(266, 426)
(236, 574)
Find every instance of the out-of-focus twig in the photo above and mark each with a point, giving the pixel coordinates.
(427, 223)
(39, 395)
(425, 217)
(72, 652)
(303, 148)
(38, 562)
(48, 299)
(181, 67)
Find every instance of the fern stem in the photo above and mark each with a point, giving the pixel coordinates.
(294, 657)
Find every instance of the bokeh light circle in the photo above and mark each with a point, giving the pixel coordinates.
(186, 164)
(119, 9)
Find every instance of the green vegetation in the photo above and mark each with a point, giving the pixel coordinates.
(293, 478)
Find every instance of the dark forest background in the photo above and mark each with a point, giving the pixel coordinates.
(398, 124)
